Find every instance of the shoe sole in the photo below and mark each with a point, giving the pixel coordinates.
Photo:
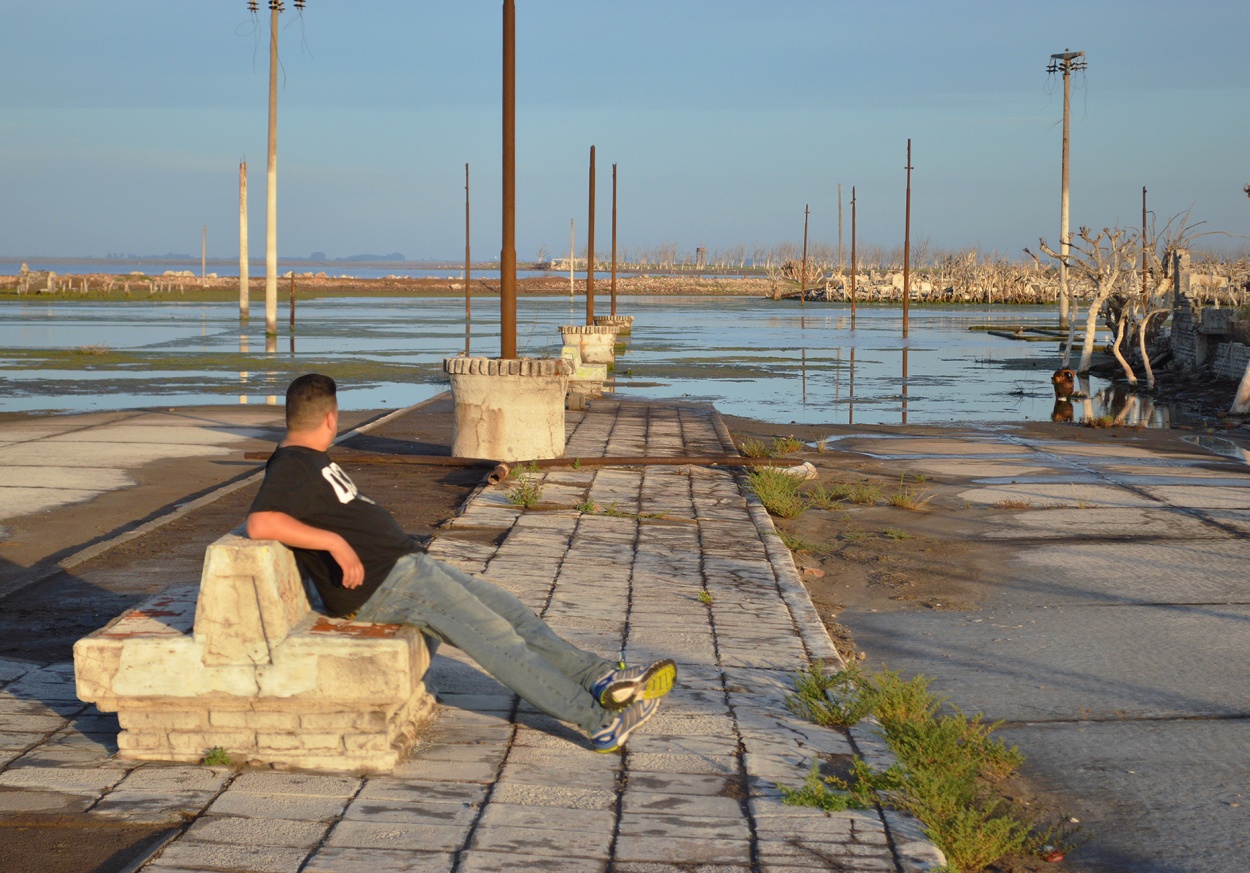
(620, 741)
(657, 681)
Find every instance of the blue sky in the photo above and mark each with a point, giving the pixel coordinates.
(122, 122)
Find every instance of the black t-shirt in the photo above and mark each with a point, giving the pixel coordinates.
(306, 485)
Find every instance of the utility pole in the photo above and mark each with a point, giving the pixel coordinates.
(852, 256)
(1065, 62)
(572, 260)
(507, 257)
(468, 314)
(907, 243)
(203, 251)
(1145, 305)
(271, 194)
(614, 240)
(243, 277)
(803, 277)
(590, 245)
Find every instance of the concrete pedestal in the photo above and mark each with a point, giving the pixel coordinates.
(624, 324)
(596, 342)
(508, 409)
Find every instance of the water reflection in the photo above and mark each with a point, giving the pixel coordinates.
(752, 357)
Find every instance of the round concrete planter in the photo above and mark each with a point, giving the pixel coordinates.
(595, 341)
(624, 324)
(508, 409)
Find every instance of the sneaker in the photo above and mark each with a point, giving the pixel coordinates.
(618, 688)
(623, 724)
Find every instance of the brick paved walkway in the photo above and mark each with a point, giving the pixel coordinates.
(675, 562)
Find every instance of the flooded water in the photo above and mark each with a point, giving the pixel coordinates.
(751, 357)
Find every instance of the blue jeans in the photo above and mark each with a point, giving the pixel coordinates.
(496, 630)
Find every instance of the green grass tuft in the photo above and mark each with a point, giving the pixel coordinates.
(778, 491)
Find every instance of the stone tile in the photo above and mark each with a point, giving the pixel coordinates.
(635, 802)
(232, 830)
(218, 856)
(385, 788)
(496, 862)
(381, 835)
(176, 777)
(447, 771)
(296, 783)
(339, 859)
(68, 779)
(152, 806)
(298, 807)
(559, 796)
(418, 812)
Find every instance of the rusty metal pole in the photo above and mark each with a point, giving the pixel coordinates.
(1145, 303)
(271, 192)
(852, 256)
(590, 246)
(203, 251)
(839, 228)
(507, 256)
(907, 243)
(468, 312)
(292, 301)
(614, 240)
(803, 274)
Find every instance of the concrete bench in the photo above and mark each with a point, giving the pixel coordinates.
(587, 379)
(243, 663)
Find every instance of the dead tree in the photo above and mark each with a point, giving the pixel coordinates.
(1098, 260)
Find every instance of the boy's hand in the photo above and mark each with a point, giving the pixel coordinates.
(349, 563)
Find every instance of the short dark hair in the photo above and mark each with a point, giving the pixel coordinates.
(308, 399)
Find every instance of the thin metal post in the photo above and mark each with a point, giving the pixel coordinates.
(507, 257)
(243, 277)
(468, 311)
(803, 276)
(590, 245)
(572, 261)
(852, 256)
(203, 251)
(907, 243)
(271, 194)
(292, 301)
(614, 240)
(1145, 303)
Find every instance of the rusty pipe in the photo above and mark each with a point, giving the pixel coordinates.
(351, 457)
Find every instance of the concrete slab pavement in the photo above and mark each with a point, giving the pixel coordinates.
(676, 562)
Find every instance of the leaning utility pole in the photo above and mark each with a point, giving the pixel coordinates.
(1065, 62)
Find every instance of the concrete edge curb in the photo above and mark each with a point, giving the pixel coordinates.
(913, 851)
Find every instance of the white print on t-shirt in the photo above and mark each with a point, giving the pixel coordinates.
(344, 488)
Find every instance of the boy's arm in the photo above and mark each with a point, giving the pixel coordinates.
(292, 532)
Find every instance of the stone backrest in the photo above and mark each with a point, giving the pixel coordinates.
(251, 597)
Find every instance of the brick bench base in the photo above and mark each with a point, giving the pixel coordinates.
(241, 662)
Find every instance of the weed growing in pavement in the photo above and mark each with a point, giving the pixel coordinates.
(828, 496)
(705, 597)
(908, 498)
(587, 506)
(526, 493)
(829, 699)
(778, 492)
(948, 766)
(779, 446)
(1012, 504)
(217, 757)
